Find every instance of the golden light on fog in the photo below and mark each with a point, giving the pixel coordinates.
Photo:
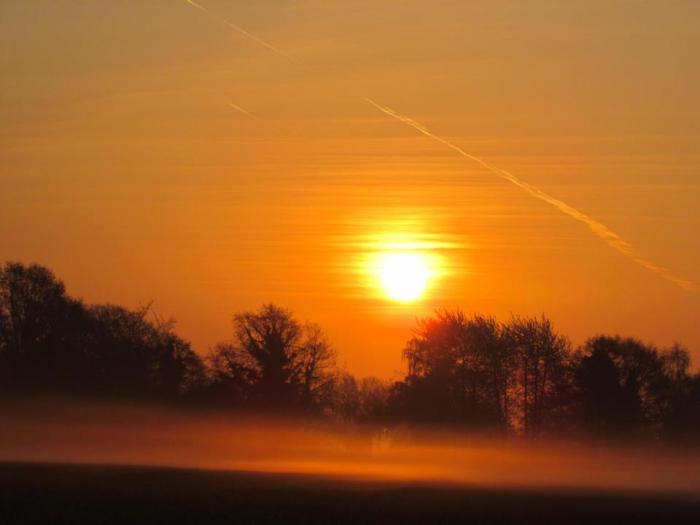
(404, 276)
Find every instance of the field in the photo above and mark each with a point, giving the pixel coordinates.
(58, 493)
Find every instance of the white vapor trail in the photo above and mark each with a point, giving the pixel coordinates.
(242, 31)
(241, 110)
(606, 234)
(599, 229)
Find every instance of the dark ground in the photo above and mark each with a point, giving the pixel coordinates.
(53, 494)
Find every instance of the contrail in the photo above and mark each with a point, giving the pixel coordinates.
(599, 229)
(242, 31)
(606, 234)
(195, 4)
(241, 110)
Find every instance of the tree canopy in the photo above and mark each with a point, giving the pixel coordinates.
(462, 370)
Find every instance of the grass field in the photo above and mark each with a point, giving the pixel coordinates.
(54, 493)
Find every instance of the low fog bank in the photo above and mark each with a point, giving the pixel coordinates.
(518, 378)
(110, 433)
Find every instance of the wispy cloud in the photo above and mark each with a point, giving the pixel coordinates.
(599, 229)
(242, 31)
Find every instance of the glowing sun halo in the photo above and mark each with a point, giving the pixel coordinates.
(403, 276)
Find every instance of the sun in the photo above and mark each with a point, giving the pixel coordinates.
(404, 276)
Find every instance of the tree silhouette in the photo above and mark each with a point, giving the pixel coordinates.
(130, 355)
(50, 342)
(623, 385)
(363, 400)
(467, 370)
(230, 377)
(541, 378)
(38, 329)
(274, 360)
(682, 415)
(459, 371)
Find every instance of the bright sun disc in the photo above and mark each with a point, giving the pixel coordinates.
(403, 276)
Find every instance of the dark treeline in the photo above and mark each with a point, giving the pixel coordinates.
(519, 377)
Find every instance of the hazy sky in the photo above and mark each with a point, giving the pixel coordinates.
(148, 151)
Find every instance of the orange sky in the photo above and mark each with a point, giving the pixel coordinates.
(124, 167)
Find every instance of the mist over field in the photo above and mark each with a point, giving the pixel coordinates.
(349, 262)
(117, 434)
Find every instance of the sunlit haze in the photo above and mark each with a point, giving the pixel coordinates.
(350, 261)
(213, 156)
(404, 276)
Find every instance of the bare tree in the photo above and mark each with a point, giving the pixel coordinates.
(315, 364)
(277, 359)
(542, 374)
(38, 327)
(461, 366)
